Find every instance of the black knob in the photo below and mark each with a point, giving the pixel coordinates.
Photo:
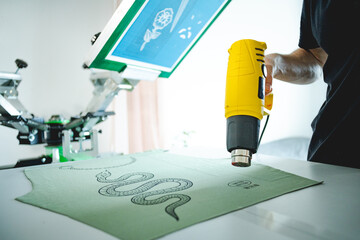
(85, 66)
(21, 63)
(94, 38)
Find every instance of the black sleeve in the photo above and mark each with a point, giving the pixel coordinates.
(307, 39)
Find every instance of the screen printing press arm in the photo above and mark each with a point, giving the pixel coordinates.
(12, 112)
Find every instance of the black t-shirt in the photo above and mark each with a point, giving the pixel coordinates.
(334, 26)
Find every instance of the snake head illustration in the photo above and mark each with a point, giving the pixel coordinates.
(103, 175)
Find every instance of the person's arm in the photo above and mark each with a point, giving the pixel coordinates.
(299, 67)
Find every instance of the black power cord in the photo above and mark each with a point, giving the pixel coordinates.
(263, 130)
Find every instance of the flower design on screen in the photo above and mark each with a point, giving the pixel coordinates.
(162, 19)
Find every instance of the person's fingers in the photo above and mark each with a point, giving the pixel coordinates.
(268, 80)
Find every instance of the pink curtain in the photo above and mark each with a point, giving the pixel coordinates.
(143, 117)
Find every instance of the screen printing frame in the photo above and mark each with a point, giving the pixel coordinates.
(116, 29)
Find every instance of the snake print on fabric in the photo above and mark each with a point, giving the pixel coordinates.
(141, 193)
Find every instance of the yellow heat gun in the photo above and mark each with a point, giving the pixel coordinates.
(245, 100)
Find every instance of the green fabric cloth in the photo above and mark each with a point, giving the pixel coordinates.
(148, 195)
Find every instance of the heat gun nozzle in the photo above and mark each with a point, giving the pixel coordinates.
(241, 157)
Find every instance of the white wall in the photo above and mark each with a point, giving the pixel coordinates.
(194, 95)
(53, 37)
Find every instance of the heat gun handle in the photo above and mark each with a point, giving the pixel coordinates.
(268, 103)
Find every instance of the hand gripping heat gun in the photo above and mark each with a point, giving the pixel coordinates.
(245, 100)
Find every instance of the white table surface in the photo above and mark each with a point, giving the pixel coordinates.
(327, 211)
